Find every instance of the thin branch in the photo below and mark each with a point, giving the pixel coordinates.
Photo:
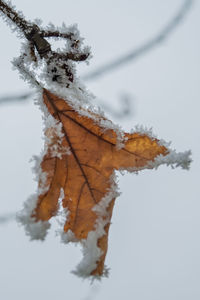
(56, 34)
(125, 102)
(11, 99)
(145, 48)
(126, 110)
(133, 55)
(30, 30)
(72, 56)
(7, 218)
(15, 17)
(37, 41)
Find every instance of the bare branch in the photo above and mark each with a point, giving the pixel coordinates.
(125, 102)
(7, 218)
(145, 48)
(10, 98)
(126, 110)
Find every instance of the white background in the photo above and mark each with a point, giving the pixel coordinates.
(154, 238)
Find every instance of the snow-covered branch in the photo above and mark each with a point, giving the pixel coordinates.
(60, 66)
(135, 54)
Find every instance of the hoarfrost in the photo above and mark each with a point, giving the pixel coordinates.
(35, 230)
(81, 100)
(173, 159)
(143, 130)
(67, 237)
(39, 75)
(91, 252)
(53, 138)
(101, 207)
(10, 23)
(62, 212)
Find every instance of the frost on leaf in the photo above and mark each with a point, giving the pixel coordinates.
(85, 175)
(76, 172)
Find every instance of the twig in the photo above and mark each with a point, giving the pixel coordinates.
(125, 102)
(15, 17)
(10, 98)
(146, 47)
(38, 42)
(7, 218)
(133, 55)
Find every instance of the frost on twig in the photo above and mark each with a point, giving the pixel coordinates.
(59, 64)
(69, 34)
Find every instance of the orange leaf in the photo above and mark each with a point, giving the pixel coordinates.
(87, 155)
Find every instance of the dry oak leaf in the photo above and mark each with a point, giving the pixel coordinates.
(84, 173)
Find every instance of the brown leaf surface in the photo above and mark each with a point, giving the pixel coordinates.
(85, 173)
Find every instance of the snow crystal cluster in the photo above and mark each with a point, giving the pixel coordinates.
(8, 21)
(91, 252)
(35, 230)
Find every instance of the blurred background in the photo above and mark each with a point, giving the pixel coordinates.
(154, 238)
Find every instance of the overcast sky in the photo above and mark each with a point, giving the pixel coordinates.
(154, 237)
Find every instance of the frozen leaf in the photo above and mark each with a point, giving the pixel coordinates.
(85, 172)
(82, 148)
